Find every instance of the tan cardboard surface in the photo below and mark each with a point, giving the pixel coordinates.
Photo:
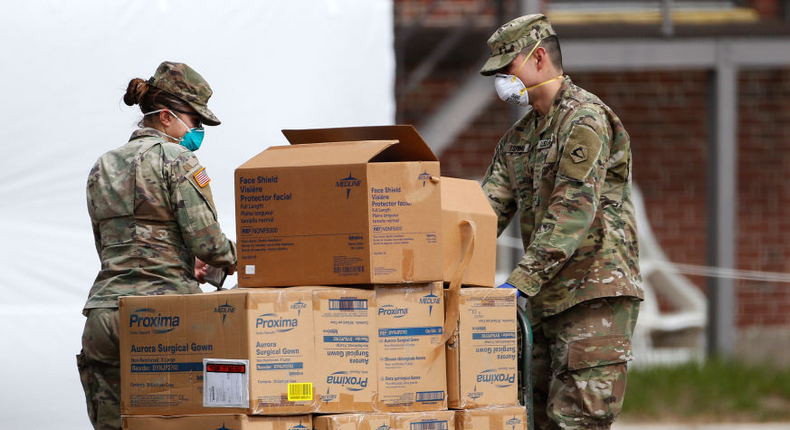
(320, 154)
(369, 212)
(411, 362)
(346, 349)
(429, 420)
(493, 418)
(482, 363)
(412, 147)
(164, 340)
(216, 422)
(426, 420)
(366, 421)
(463, 200)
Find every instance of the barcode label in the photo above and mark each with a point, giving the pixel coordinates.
(430, 396)
(429, 425)
(300, 392)
(348, 304)
(350, 269)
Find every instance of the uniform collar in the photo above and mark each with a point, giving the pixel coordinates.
(147, 132)
(543, 122)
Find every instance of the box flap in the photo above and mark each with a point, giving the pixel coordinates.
(464, 195)
(411, 146)
(319, 154)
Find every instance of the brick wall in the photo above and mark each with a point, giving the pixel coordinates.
(764, 194)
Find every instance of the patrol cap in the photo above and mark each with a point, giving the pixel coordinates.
(512, 38)
(185, 83)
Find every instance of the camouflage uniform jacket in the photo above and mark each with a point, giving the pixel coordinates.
(150, 218)
(568, 174)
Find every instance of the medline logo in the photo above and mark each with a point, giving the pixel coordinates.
(225, 310)
(157, 323)
(328, 397)
(499, 379)
(298, 427)
(392, 311)
(424, 177)
(348, 183)
(513, 423)
(223, 427)
(430, 300)
(298, 306)
(276, 322)
(350, 383)
(474, 394)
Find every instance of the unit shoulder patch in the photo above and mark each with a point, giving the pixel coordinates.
(581, 152)
(578, 153)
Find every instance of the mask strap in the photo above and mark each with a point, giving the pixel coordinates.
(542, 83)
(171, 113)
(525, 60)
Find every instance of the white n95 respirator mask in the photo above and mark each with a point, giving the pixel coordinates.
(510, 89)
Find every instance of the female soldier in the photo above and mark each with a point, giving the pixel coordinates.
(154, 222)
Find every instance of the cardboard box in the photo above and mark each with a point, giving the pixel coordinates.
(428, 420)
(237, 351)
(216, 422)
(433, 420)
(482, 355)
(505, 418)
(463, 201)
(340, 206)
(364, 421)
(346, 348)
(411, 361)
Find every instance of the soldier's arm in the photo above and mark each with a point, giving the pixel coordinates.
(196, 214)
(497, 188)
(573, 203)
(96, 237)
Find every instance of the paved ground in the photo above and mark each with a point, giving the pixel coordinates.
(722, 426)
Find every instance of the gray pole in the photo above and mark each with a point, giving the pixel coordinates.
(722, 194)
(667, 28)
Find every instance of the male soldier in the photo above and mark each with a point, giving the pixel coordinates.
(565, 167)
(154, 222)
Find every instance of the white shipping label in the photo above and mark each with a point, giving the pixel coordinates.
(226, 383)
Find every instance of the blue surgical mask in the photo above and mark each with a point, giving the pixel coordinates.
(192, 139)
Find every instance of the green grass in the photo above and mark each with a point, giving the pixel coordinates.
(714, 391)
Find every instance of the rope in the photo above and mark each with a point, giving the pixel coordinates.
(691, 269)
(721, 272)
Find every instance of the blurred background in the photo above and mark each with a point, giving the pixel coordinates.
(702, 87)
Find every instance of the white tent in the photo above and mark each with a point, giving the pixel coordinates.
(65, 67)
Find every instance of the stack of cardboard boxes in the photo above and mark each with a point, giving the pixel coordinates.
(346, 239)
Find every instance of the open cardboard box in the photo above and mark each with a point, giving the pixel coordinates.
(357, 205)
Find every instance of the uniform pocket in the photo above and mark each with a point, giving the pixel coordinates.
(596, 379)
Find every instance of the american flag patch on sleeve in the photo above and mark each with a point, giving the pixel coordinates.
(201, 177)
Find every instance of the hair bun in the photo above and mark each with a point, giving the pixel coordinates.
(135, 91)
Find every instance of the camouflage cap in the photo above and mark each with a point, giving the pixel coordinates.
(185, 83)
(512, 38)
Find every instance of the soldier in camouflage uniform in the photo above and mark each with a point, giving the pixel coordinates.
(154, 222)
(565, 168)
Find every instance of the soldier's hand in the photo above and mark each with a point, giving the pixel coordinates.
(201, 268)
(508, 285)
